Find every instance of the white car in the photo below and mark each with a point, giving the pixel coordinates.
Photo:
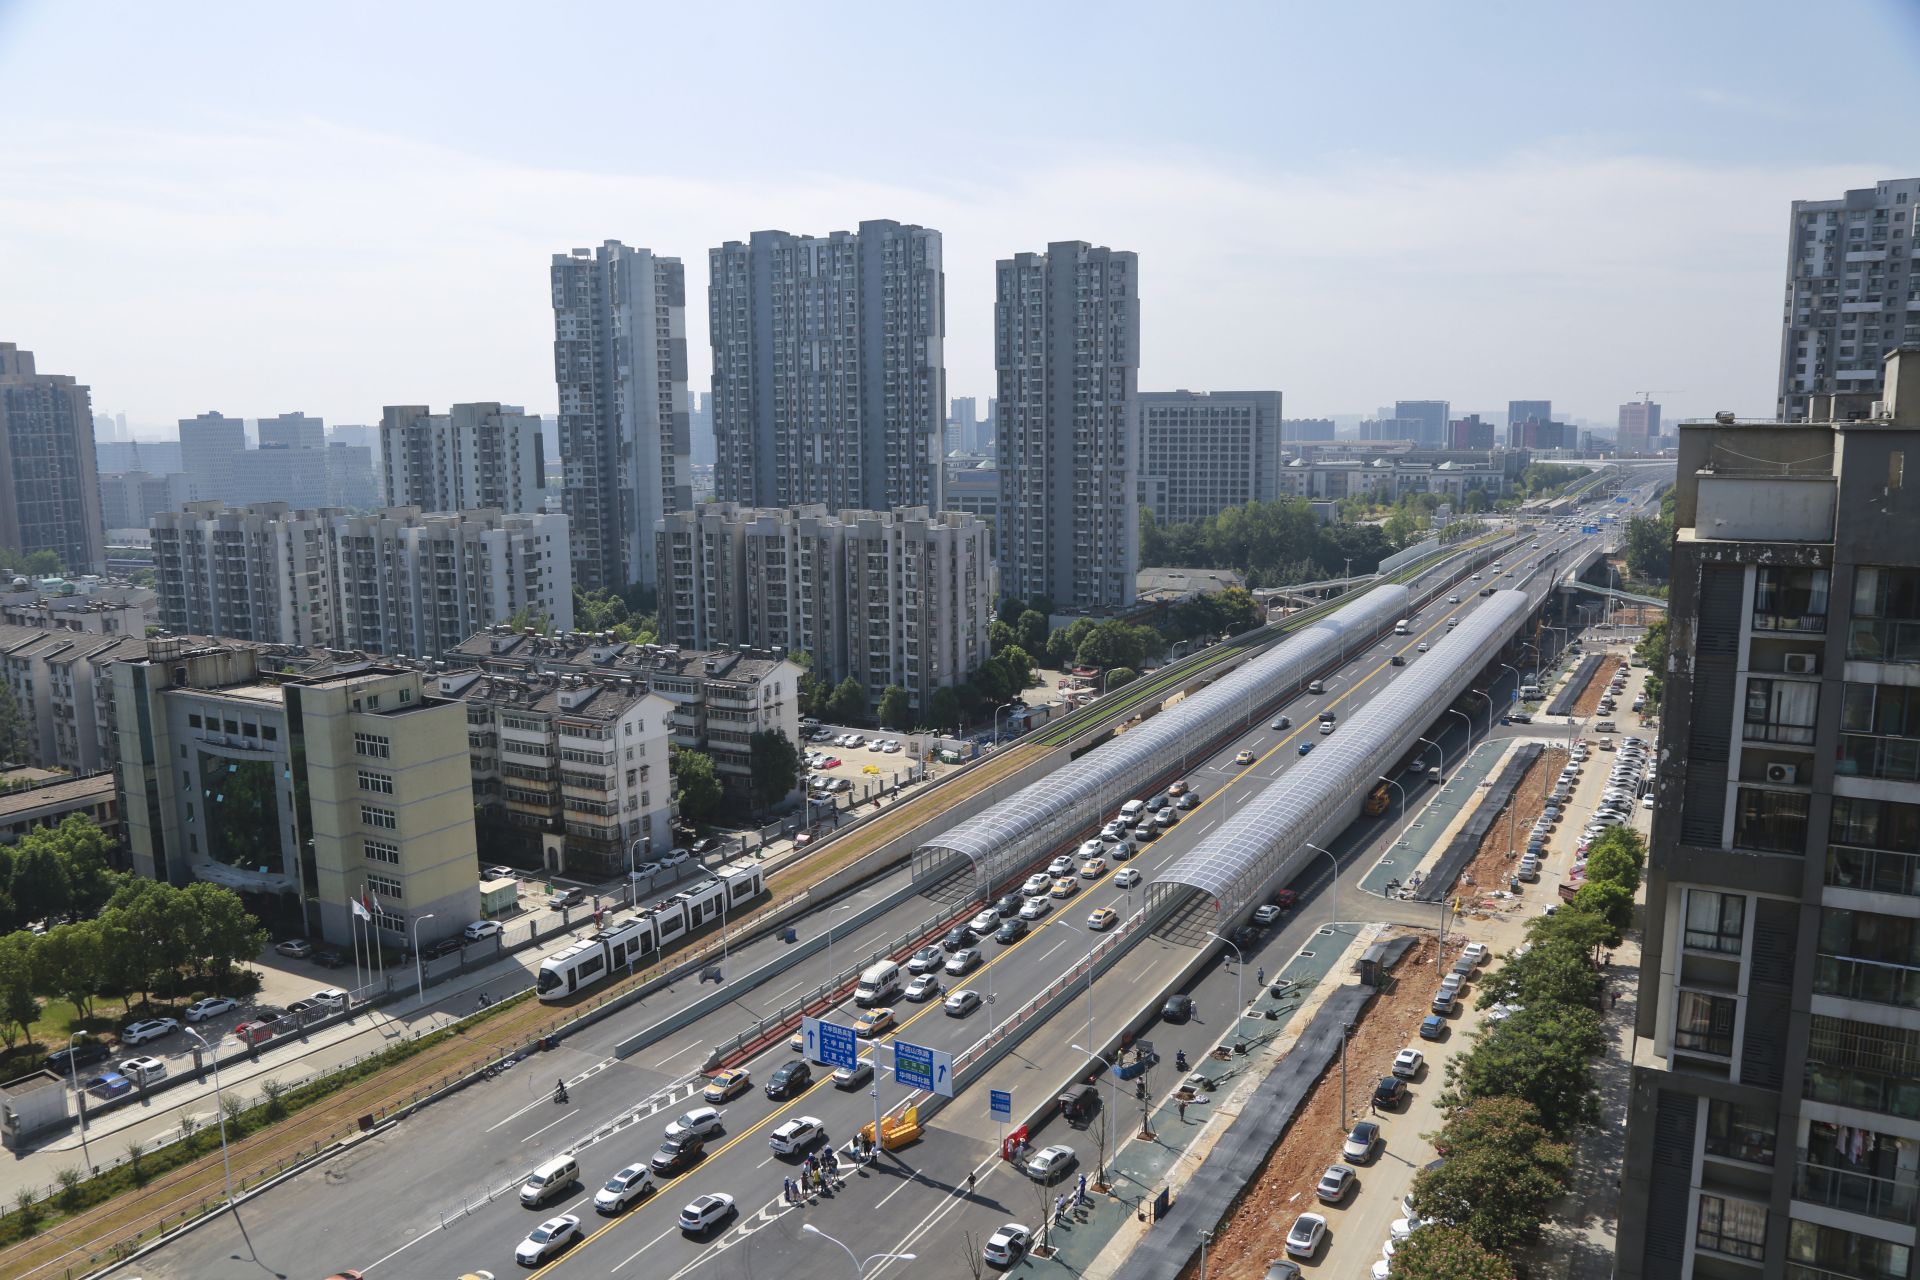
(1309, 1229)
(704, 1121)
(1266, 914)
(1036, 908)
(1407, 1063)
(211, 1007)
(967, 959)
(623, 1188)
(1037, 884)
(1126, 877)
(144, 1070)
(481, 929)
(984, 923)
(1476, 952)
(1091, 849)
(1007, 1245)
(148, 1029)
(1047, 1164)
(1421, 647)
(1060, 866)
(962, 1003)
(796, 1135)
(704, 1212)
(1453, 599)
(893, 745)
(1400, 1228)
(923, 988)
(547, 1239)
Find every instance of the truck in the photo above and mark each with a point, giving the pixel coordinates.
(1377, 801)
(1400, 627)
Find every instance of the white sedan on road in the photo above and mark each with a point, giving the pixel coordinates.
(547, 1239)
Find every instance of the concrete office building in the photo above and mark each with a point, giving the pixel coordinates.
(1849, 287)
(208, 445)
(301, 792)
(620, 364)
(129, 499)
(350, 477)
(829, 373)
(1202, 452)
(53, 673)
(1639, 430)
(292, 431)
(49, 487)
(1293, 429)
(964, 434)
(159, 456)
(1519, 411)
(1067, 357)
(700, 428)
(474, 455)
(1378, 430)
(263, 572)
(1774, 1122)
(1469, 433)
(886, 597)
(1431, 418)
(973, 488)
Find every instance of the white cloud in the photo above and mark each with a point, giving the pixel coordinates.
(311, 267)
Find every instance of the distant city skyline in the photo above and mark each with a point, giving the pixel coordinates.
(1644, 217)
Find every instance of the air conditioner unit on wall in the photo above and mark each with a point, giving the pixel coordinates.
(1802, 664)
(1782, 772)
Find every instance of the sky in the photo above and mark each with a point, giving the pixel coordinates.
(330, 208)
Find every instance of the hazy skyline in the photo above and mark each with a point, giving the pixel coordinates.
(258, 210)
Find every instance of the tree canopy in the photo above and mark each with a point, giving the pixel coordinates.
(699, 784)
(1269, 544)
(775, 766)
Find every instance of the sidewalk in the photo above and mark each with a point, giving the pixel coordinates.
(1435, 821)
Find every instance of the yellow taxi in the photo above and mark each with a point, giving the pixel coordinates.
(1093, 868)
(728, 1085)
(1065, 887)
(1102, 919)
(873, 1023)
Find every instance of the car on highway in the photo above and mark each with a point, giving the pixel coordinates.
(704, 1121)
(1060, 866)
(1306, 747)
(1166, 817)
(961, 1003)
(1100, 919)
(1178, 1008)
(479, 929)
(623, 1188)
(705, 1212)
(1187, 801)
(926, 959)
(878, 1021)
(1178, 787)
(1305, 1235)
(1007, 1245)
(854, 1076)
(1008, 904)
(1036, 908)
(1064, 887)
(984, 923)
(1038, 882)
(1453, 599)
(1266, 913)
(1010, 931)
(676, 1154)
(1244, 758)
(210, 1007)
(1421, 647)
(295, 948)
(1049, 1163)
(547, 1239)
(958, 939)
(965, 961)
(1336, 1184)
(1361, 1142)
(923, 988)
(1327, 727)
(1126, 878)
(1093, 868)
(729, 1084)
(788, 1078)
(797, 1135)
(1389, 1092)
(1146, 831)
(147, 1029)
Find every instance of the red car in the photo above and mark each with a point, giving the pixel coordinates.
(253, 1032)
(1285, 899)
(831, 762)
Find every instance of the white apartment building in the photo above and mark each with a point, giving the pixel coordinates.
(472, 456)
(398, 583)
(1067, 355)
(1201, 452)
(887, 597)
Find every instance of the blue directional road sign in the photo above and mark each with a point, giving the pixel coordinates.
(830, 1043)
(1000, 1105)
(1589, 528)
(918, 1067)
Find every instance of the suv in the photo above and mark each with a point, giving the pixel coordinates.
(86, 1053)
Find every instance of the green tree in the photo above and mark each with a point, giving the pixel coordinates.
(1117, 676)
(1614, 861)
(816, 695)
(67, 964)
(41, 886)
(225, 935)
(18, 1008)
(1110, 644)
(699, 784)
(1019, 669)
(896, 710)
(1000, 635)
(16, 733)
(1649, 548)
(1552, 972)
(849, 702)
(1503, 1168)
(1437, 1252)
(775, 766)
(1539, 1055)
(944, 709)
(1652, 650)
(1064, 644)
(1610, 901)
(1031, 631)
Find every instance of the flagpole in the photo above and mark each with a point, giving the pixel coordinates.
(353, 928)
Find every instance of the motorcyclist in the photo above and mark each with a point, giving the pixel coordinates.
(1179, 1059)
(560, 1091)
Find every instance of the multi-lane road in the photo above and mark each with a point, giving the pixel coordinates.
(437, 1194)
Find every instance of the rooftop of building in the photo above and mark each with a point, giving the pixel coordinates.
(586, 651)
(68, 791)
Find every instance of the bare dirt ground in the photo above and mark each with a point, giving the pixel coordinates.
(1257, 1229)
(1490, 866)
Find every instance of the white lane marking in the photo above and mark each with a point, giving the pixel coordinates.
(904, 1184)
(1056, 946)
(402, 1249)
(795, 987)
(543, 1128)
(516, 1115)
(1209, 826)
(677, 1052)
(643, 1248)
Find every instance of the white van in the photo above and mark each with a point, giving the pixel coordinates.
(1530, 693)
(549, 1180)
(878, 984)
(1132, 810)
(1400, 627)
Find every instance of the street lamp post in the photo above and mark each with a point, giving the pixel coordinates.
(1113, 1104)
(219, 1107)
(1239, 991)
(1334, 895)
(1488, 695)
(633, 886)
(79, 1099)
(1468, 744)
(996, 719)
(1439, 750)
(1403, 805)
(833, 974)
(420, 965)
(1091, 943)
(859, 1267)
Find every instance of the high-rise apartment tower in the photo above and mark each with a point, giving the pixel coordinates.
(49, 490)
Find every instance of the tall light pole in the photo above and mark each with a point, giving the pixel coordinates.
(996, 719)
(633, 887)
(1239, 991)
(1113, 1104)
(1334, 894)
(1403, 804)
(1468, 745)
(219, 1107)
(859, 1267)
(1516, 688)
(1091, 943)
(79, 1099)
(833, 974)
(419, 965)
(1440, 750)
(1488, 695)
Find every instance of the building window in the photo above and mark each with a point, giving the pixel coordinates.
(380, 851)
(373, 746)
(1771, 821)
(1815, 1252)
(193, 721)
(1885, 626)
(1715, 921)
(1880, 732)
(1874, 845)
(1734, 1227)
(385, 886)
(1735, 1132)
(1789, 598)
(1864, 955)
(382, 818)
(1781, 711)
(379, 783)
(1858, 1170)
(1863, 1065)
(1704, 1023)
